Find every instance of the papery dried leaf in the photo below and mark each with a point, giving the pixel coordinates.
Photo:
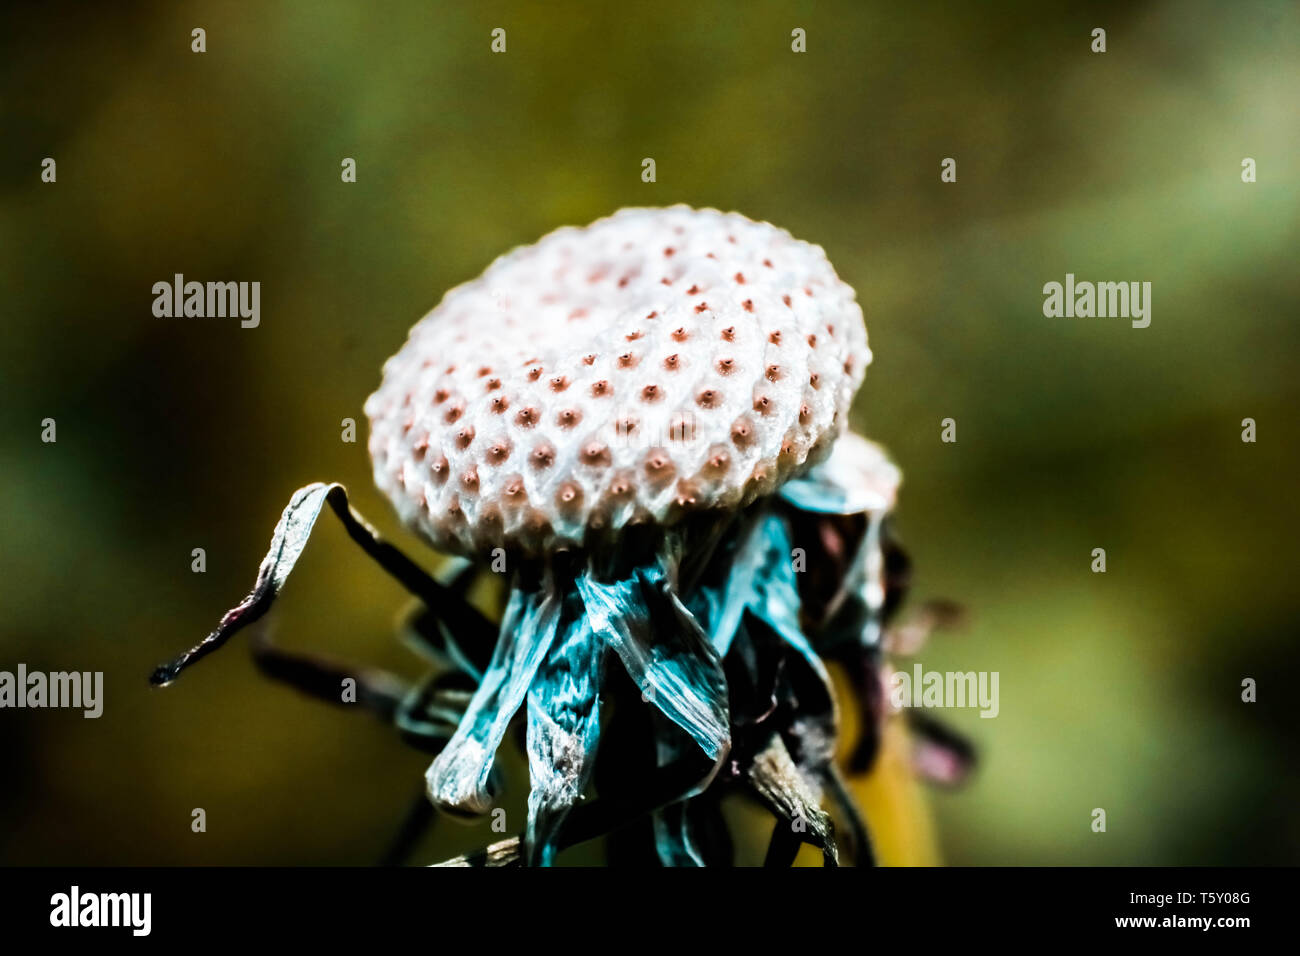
(776, 595)
(458, 778)
(287, 543)
(718, 607)
(563, 729)
(664, 652)
(777, 782)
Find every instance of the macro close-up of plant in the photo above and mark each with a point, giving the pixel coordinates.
(692, 434)
(641, 424)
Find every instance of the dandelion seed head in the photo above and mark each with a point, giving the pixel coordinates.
(579, 333)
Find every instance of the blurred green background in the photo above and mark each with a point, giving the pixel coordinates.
(1118, 691)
